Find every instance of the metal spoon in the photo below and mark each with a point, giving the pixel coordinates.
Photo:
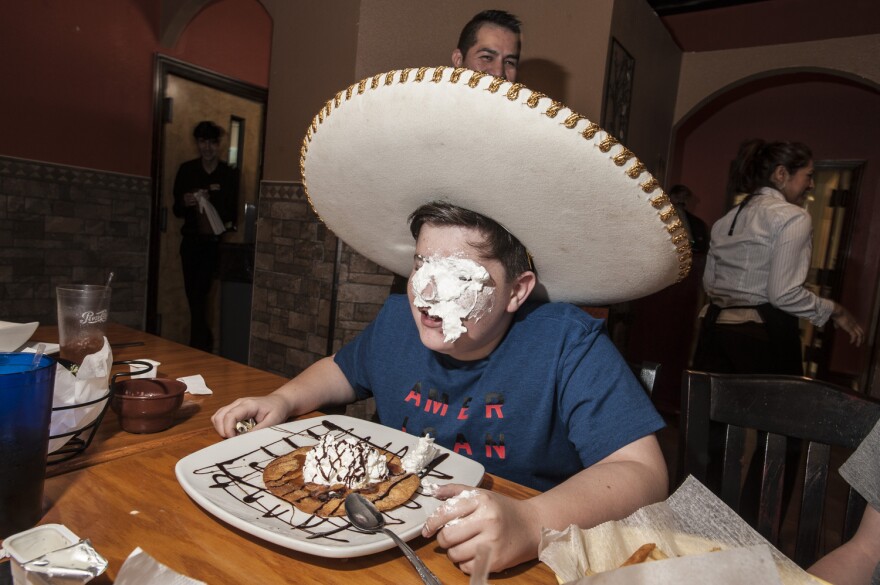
(364, 516)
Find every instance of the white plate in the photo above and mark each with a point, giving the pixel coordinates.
(226, 479)
(14, 335)
(48, 348)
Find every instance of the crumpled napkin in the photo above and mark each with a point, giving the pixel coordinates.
(142, 569)
(740, 566)
(195, 384)
(206, 207)
(691, 521)
(90, 383)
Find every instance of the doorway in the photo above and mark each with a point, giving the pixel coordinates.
(832, 206)
(184, 96)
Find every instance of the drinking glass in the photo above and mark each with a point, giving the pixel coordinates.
(82, 319)
(26, 387)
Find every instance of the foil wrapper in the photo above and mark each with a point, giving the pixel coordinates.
(78, 563)
(52, 555)
(244, 426)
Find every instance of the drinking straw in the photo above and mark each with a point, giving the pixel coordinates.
(109, 279)
(38, 355)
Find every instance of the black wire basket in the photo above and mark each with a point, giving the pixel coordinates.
(81, 437)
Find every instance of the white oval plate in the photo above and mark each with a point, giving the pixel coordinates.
(226, 479)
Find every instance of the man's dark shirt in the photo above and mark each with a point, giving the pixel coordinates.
(222, 188)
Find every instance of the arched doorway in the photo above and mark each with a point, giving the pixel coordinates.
(216, 68)
(838, 118)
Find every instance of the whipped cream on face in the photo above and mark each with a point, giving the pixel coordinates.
(453, 289)
(344, 460)
(417, 459)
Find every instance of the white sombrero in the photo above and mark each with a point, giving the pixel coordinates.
(597, 224)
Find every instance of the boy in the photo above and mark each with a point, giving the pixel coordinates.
(534, 391)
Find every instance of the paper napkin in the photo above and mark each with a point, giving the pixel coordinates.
(196, 384)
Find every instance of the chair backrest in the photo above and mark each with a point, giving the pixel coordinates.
(646, 373)
(784, 407)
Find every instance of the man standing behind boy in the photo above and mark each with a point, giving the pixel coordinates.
(490, 43)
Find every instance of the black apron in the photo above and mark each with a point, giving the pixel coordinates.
(783, 333)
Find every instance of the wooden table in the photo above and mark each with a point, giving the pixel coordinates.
(136, 501)
(228, 380)
(122, 492)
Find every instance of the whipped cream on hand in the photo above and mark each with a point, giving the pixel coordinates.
(344, 460)
(416, 460)
(452, 289)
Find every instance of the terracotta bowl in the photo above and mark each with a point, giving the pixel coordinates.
(147, 405)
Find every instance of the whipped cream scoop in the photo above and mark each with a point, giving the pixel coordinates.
(344, 460)
(416, 460)
(453, 290)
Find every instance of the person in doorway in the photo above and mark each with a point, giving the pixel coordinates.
(673, 310)
(697, 230)
(474, 354)
(205, 196)
(490, 43)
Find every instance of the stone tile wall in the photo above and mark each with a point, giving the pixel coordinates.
(62, 225)
(293, 285)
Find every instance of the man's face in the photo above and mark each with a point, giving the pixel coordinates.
(461, 303)
(208, 149)
(496, 52)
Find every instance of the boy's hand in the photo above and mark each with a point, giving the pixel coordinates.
(472, 520)
(266, 410)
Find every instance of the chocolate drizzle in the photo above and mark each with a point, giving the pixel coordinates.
(241, 477)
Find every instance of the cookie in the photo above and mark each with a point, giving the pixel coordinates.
(283, 477)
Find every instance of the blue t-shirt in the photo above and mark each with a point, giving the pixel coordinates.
(553, 398)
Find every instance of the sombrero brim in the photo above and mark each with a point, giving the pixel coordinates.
(597, 224)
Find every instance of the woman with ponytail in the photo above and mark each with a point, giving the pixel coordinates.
(759, 257)
(758, 260)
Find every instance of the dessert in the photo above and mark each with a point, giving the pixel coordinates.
(317, 479)
(416, 460)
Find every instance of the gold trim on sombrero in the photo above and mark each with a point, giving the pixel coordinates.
(554, 109)
(637, 169)
(667, 214)
(533, 99)
(590, 130)
(545, 106)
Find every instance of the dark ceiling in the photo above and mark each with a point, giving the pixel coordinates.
(711, 25)
(667, 7)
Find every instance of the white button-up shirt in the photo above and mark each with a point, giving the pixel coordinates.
(766, 259)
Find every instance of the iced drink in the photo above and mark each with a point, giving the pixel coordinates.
(26, 395)
(83, 310)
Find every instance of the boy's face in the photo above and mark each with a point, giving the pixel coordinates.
(461, 303)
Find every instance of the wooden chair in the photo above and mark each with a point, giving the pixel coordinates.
(784, 407)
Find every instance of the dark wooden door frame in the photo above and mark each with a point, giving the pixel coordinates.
(164, 66)
(844, 250)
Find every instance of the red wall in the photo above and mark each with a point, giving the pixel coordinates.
(839, 119)
(78, 80)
